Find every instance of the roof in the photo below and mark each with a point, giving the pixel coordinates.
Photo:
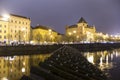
(72, 26)
(82, 20)
(19, 16)
(42, 27)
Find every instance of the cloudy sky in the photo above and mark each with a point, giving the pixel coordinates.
(104, 14)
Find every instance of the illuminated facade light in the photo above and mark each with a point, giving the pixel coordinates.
(6, 15)
(4, 78)
(50, 30)
(74, 31)
(70, 33)
(77, 37)
(23, 69)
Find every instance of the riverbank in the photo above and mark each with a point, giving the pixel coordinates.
(43, 49)
(65, 63)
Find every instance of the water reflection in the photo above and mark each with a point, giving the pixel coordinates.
(13, 67)
(105, 60)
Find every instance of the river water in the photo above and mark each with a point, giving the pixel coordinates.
(14, 67)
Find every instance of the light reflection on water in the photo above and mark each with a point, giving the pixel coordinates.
(105, 60)
(13, 67)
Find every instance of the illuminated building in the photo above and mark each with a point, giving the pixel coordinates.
(44, 34)
(14, 28)
(100, 37)
(81, 31)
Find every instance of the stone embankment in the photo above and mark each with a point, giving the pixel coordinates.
(42, 49)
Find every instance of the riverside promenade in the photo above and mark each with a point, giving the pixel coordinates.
(43, 49)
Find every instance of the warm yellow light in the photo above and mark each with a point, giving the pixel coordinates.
(51, 36)
(23, 29)
(77, 36)
(88, 33)
(6, 15)
(23, 69)
(24, 63)
(70, 33)
(74, 31)
(50, 30)
(4, 78)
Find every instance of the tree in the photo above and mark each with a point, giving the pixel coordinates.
(47, 38)
(38, 37)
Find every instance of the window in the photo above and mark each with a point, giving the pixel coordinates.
(23, 22)
(0, 31)
(5, 26)
(19, 22)
(4, 37)
(15, 21)
(0, 25)
(5, 31)
(11, 20)
(0, 36)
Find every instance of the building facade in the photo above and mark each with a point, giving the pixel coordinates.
(81, 31)
(14, 28)
(43, 34)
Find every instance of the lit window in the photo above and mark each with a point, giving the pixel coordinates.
(0, 31)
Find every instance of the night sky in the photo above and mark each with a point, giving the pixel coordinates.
(104, 14)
